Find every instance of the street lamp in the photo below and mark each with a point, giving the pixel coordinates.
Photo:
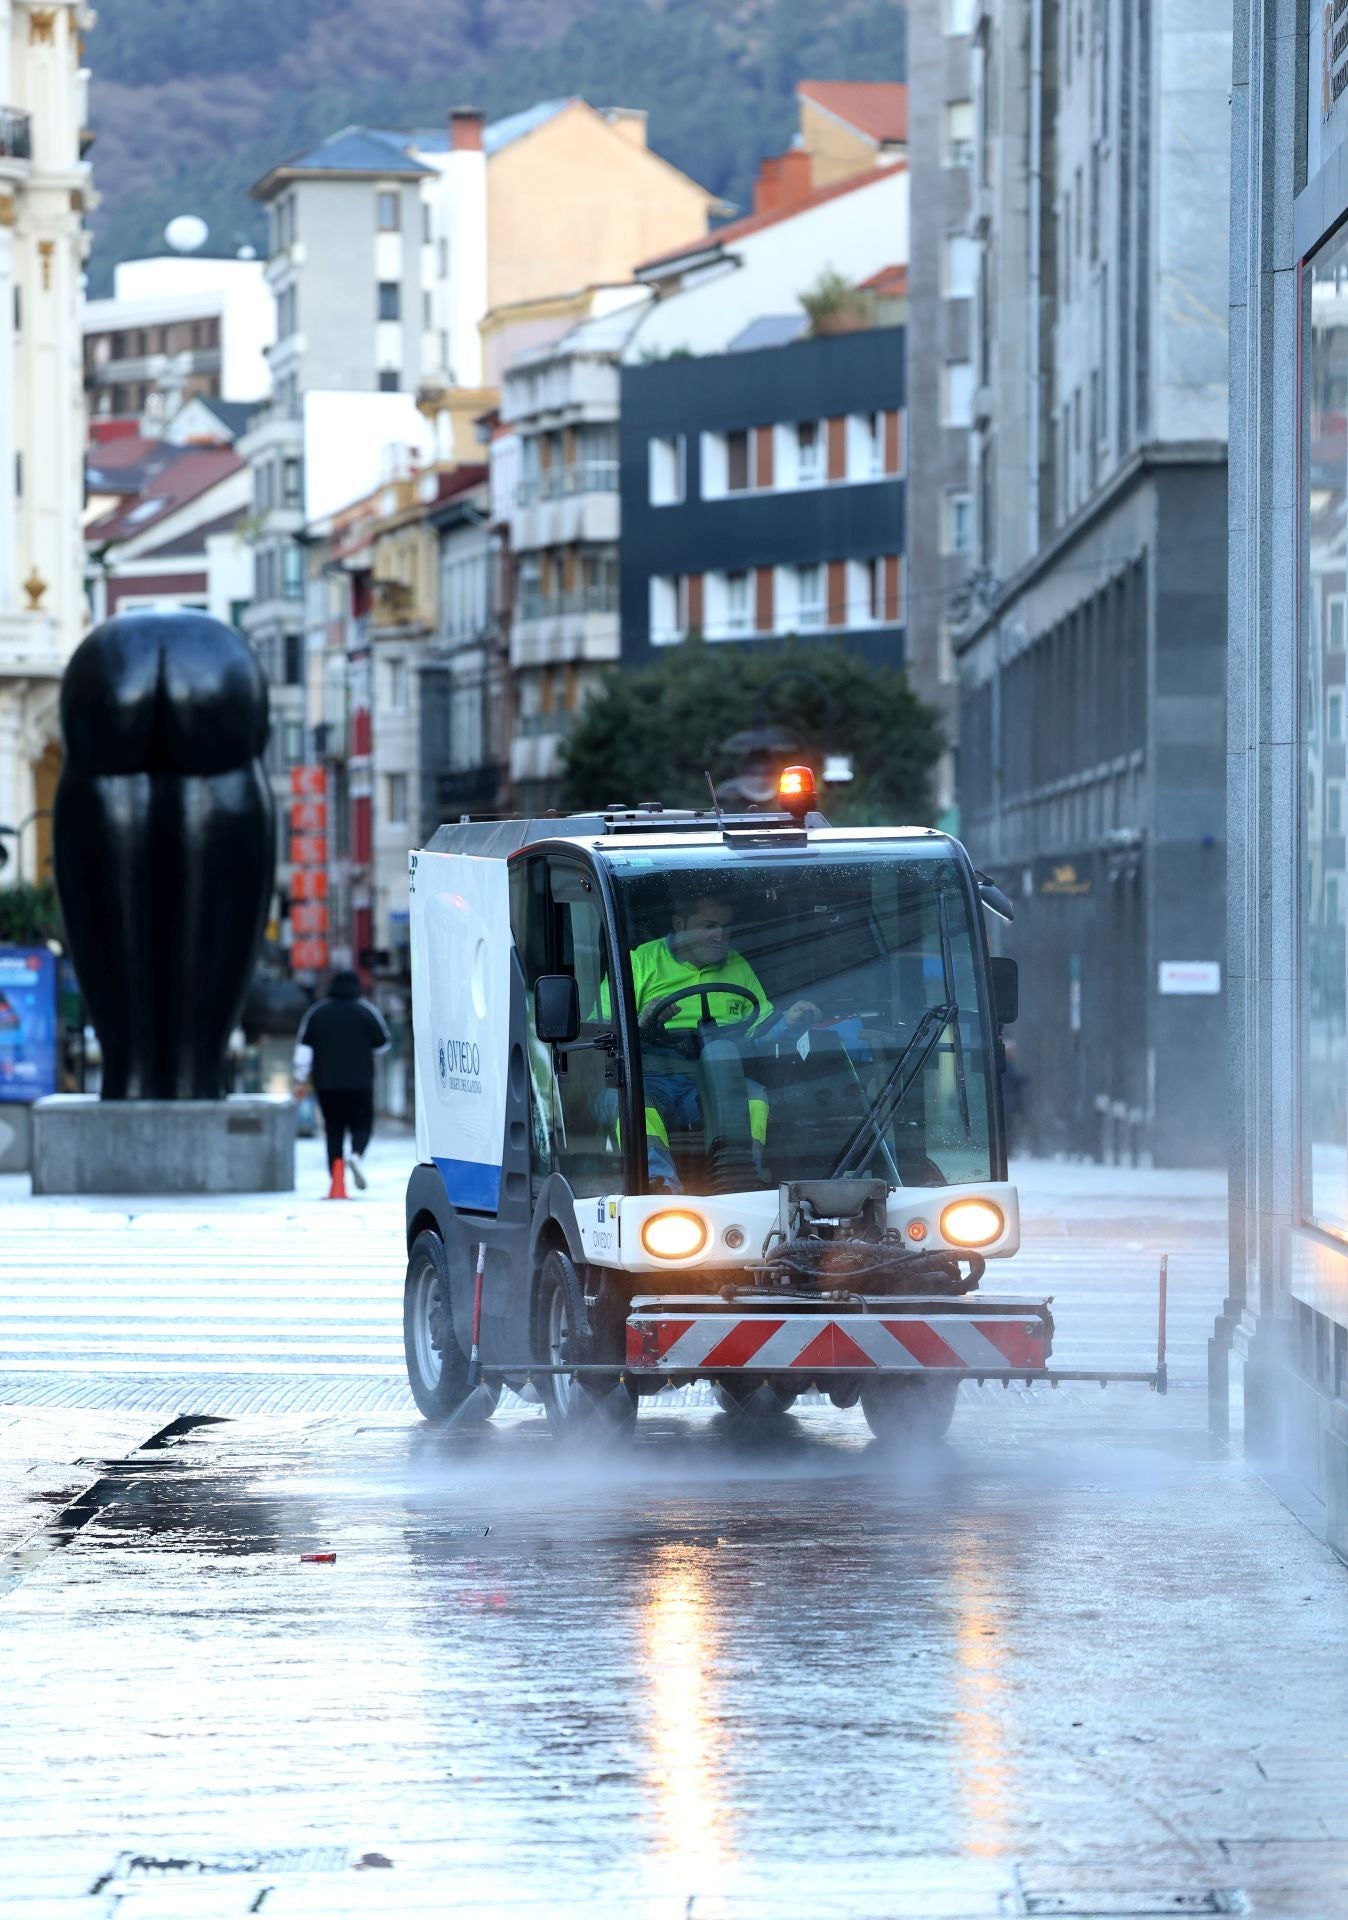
(761, 748)
(16, 834)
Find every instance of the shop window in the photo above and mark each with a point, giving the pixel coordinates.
(1322, 958)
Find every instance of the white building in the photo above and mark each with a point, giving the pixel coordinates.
(176, 328)
(44, 191)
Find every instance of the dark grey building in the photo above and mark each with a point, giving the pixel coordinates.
(942, 282)
(763, 495)
(1092, 727)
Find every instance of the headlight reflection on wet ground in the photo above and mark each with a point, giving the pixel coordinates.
(686, 1768)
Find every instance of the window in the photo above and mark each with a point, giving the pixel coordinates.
(865, 446)
(292, 572)
(426, 233)
(959, 266)
(666, 610)
(396, 679)
(1322, 950)
(292, 486)
(389, 380)
(665, 471)
(809, 453)
(388, 212)
(442, 258)
(958, 532)
(959, 133)
(390, 300)
(737, 462)
(395, 799)
(294, 743)
(959, 16)
(427, 317)
(810, 598)
(957, 394)
(737, 619)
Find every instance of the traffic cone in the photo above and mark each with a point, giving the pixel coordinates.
(337, 1191)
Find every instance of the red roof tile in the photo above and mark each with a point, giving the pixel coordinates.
(183, 479)
(755, 222)
(877, 108)
(891, 283)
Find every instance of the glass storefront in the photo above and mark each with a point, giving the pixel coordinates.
(1323, 981)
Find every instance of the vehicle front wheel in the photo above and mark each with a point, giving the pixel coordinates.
(437, 1366)
(590, 1405)
(909, 1412)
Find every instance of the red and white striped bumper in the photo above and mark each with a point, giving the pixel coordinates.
(989, 1340)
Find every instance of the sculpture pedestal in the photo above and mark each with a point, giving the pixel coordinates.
(245, 1144)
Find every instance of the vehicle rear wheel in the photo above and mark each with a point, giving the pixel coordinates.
(584, 1405)
(909, 1412)
(437, 1366)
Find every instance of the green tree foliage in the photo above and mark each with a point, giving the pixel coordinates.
(651, 733)
(195, 99)
(29, 915)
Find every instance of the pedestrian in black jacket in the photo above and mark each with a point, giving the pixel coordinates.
(334, 1053)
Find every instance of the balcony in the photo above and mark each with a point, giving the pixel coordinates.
(582, 625)
(30, 647)
(564, 504)
(16, 143)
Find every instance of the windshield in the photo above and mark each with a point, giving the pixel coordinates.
(806, 1014)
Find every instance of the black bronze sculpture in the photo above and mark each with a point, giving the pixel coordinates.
(165, 845)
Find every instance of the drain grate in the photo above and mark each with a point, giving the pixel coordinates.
(1085, 1904)
(176, 1866)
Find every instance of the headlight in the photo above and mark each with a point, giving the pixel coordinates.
(971, 1223)
(674, 1236)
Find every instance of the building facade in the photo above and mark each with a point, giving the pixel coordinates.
(465, 693)
(174, 330)
(763, 496)
(44, 190)
(1284, 1333)
(942, 282)
(555, 473)
(1092, 711)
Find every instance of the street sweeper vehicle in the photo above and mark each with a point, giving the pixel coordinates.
(703, 1097)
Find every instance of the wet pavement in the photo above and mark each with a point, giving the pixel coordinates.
(1078, 1660)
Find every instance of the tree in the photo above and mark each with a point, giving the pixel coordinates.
(29, 915)
(652, 733)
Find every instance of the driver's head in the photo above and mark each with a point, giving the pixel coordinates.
(702, 933)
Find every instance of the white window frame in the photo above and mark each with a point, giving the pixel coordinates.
(957, 506)
(667, 596)
(737, 619)
(811, 617)
(957, 134)
(961, 246)
(396, 680)
(957, 393)
(396, 797)
(715, 467)
(1336, 622)
(866, 446)
(667, 470)
(815, 474)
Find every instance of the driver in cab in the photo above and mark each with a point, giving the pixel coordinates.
(695, 953)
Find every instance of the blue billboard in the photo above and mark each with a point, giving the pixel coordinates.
(28, 1027)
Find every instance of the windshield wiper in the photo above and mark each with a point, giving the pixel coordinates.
(895, 1090)
(948, 969)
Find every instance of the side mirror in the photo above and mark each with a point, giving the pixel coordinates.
(556, 1008)
(1005, 990)
(994, 898)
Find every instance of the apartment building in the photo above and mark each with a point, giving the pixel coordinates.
(176, 329)
(555, 478)
(1092, 720)
(763, 496)
(44, 191)
(465, 695)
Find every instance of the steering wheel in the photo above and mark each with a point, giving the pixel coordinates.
(652, 1019)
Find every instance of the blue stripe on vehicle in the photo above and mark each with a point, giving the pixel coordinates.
(471, 1184)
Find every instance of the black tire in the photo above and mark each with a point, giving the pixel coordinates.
(437, 1366)
(909, 1412)
(592, 1406)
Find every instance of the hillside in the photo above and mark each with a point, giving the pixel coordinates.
(194, 99)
